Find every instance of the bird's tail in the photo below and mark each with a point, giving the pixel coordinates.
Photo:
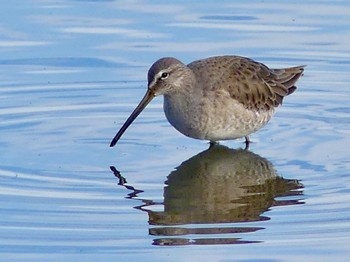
(289, 76)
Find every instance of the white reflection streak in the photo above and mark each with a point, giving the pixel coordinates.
(53, 71)
(250, 27)
(22, 43)
(49, 193)
(148, 7)
(43, 109)
(53, 193)
(46, 109)
(318, 54)
(5, 174)
(119, 31)
(170, 46)
(78, 20)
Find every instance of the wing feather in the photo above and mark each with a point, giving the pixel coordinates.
(251, 83)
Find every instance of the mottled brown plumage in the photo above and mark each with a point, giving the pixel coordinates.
(217, 98)
(251, 83)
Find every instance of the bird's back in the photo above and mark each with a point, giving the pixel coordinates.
(253, 84)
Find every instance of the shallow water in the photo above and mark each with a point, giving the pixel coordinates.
(72, 71)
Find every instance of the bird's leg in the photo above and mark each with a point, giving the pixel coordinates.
(247, 142)
(212, 143)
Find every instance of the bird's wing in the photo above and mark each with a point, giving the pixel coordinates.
(251, 83)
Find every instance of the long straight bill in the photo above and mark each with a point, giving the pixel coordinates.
(143, 103)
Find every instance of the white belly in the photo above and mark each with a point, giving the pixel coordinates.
(217, 119)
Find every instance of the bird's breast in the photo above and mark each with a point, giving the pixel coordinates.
(185, 114)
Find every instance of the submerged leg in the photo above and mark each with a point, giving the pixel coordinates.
(212, 143)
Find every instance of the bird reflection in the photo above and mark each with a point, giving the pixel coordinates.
(219, 185)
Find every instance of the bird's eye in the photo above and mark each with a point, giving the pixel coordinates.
(164, 75)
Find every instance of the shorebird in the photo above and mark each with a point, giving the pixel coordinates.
(217, 98)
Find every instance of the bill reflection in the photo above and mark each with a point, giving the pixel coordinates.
(210, 192)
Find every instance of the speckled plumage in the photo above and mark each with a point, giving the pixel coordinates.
(217, 98)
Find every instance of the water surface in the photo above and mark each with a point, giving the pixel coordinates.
(72, 71)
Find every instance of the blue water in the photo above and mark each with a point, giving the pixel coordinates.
(71, 72)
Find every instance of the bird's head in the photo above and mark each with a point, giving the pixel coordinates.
(165, 76)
